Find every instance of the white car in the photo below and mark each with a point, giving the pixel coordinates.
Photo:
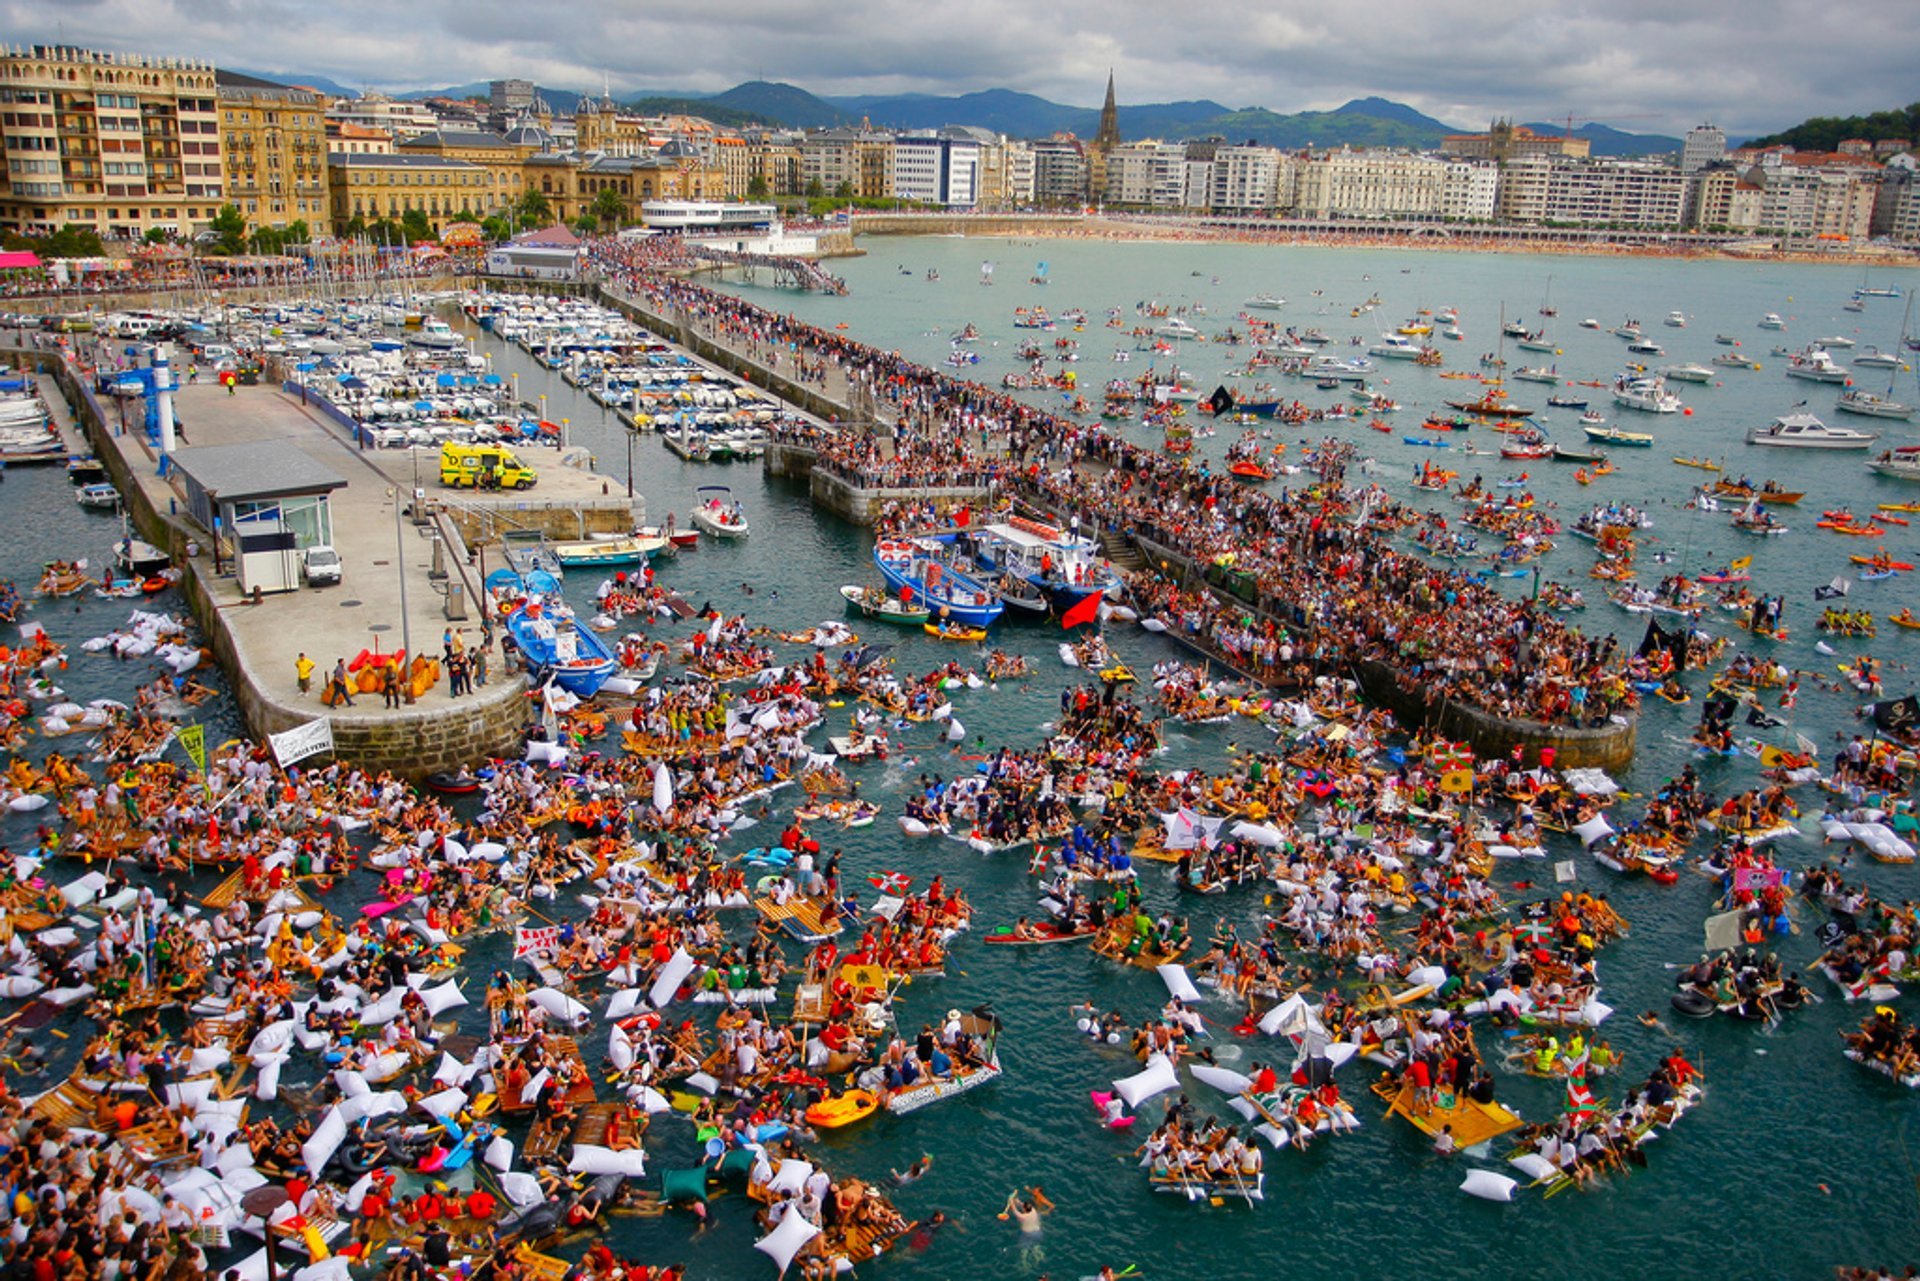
(320, 565)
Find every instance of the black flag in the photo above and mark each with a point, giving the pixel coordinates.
(1677, 645)
(1221, 400)
(1833, 590)
(1654, 640)
(1900, 716)
(1757, 717)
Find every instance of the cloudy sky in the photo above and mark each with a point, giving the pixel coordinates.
(1643, 65)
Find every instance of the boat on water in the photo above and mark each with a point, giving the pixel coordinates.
(1729, 360)
(136, 556)
(1567, 454)
(876, 604)
(99, 497)
(1676, 320)
(630, 550)
(1814, 365)
(1874, 358)
(937, 574)
(526, 553)
(1804, 431)
(1772, 321)
(1566, 402)
(1840, 342)
(717, 512)
(1688, 373)
(1060, 566)
(1264, 302)
(1902, 462)
(558, 648)
(1396, 347)
(1492, 405)
(1872, 405)
(1537, 374)
(1648, 395)
(1614, 436)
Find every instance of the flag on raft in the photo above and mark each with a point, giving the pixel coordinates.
(1221, 400)
(1833, 590)
(1087, 610)
(1743, 563)
(542, 938)
(1580, 1104)
(1899, 715)
(891, 882)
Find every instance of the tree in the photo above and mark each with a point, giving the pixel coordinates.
(414, 225)
(757, 188)
(533, 209)
(843, 192)
(157, 236)
(586, 224)
(814, 190)
(73, 241)
(496, 228)
(230, 230)
(609, 206)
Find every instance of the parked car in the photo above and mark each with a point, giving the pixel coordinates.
(320, 565)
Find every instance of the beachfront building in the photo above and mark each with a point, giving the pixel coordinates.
(370, 188)
(600, 126)
(1373, 183)
(849, 162)
(1469, 191)
(1012, 186)
(1249, 179)
(1506, 141)
(1620, 193)
(116, 142)
(1896, 205)
(275, 150)
(1060, 171)
(1146, 175)
(775, 162)
(938, 168)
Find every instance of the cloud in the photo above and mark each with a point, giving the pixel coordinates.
(1646, 65)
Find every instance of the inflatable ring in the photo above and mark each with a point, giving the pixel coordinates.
(1695, 1005)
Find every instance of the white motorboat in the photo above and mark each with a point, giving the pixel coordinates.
(1676, 320)
(1772, 321)
(1537, 374)
(1687, 374)
(1814, 365)
(1395, 347)
(1174, 327)
(1264, 302)
(1646, 347)
(100, 496)
(1649, 395)
(1838, 341)
(1899, 463)
(1804, 431)
(1874, 358)
(716, 512)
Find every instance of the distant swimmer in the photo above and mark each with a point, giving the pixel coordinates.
(913, 1172)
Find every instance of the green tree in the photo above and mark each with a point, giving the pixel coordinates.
(609, 206)
(843, 192)
(266, 240)
(533, 209)
(757, 188)
(229, 228)
(814, 189)
(586, 224)
(414, 225)
(157, 236)
(72, 241)
(496, 228)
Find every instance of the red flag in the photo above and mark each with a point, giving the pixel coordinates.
(891, 882)
(1087, 611)
(1580, 1104)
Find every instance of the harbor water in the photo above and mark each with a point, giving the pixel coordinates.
(1797, 1160)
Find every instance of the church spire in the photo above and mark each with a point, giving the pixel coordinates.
(1109, 132)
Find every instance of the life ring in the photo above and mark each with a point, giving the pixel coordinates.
(1695, 1005)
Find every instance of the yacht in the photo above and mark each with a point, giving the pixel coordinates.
(1395, 347)
(1814, 365)
(1874, 358)
(1804, 431)
(1174, 327)
(1649, 395)
(1629, 331)
(1265, 302)
(1538, 374)
(1839, 342)
(1589, 323)
(1646, 347)
(1867, 404)
(436, 335)
(1772, 321)
(1676, 320)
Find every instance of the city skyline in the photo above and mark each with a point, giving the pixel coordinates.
(1632, 64)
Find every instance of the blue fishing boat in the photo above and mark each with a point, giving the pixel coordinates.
(938, 575)
(1061, 566)
(557, 647)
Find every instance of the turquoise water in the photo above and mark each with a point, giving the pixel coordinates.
(1733, 1191)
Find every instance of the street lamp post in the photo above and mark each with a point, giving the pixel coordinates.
(400, 562)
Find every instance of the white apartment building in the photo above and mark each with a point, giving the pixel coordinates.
(1469, 191)
(1147, 174)
(1370, 184)
(1705, 145)
(1633, 193)
(1249, 180)
(937, 169)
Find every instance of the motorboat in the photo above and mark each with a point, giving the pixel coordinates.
(1687, 374)
(1537, 374)
(876, 604)
(1870, 405)
(1061, 567)
(1874, 358)
(1840, 342)
(1175, 327)
(1676, 320)
(1648, 395)
(1804, 431)
(716, 512)
(1899, 463)
(1589, 323)
(1772, 321)
(1814, 365)
(99, 496)
(136, 556)
(1732, 360)
(1646, 347)
(1614, 436)
(1264, 302)
(1396, 347)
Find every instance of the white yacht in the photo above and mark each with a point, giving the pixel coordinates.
(1395, 347)
(1869, 405)
(1874, 358)
(1839, 342)
(1676, 320)
(1264, 302)
(1804, 431)
(1687, 374)
(1900, 463)
(1649, 395)
(1814, 365)
(1772, 321)
(1174, 327)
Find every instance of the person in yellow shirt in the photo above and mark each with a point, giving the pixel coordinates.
(303, 668)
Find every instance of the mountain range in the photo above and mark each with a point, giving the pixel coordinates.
(1363, 122)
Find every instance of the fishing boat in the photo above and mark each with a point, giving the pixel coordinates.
(1804, 431)
(876, 604)
(1032, 558)
(630, 550)
(930, 570)
(1648, 395)
(136, 556)
(557, 647)
(716, 512)
(1564, 454)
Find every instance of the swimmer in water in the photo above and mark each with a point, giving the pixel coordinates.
(912, 1172)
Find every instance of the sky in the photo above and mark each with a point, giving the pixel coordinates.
(1647, 66)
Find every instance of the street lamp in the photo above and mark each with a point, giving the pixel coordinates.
(400, 563)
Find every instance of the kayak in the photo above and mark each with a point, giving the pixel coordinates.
(1881, 562)
(843, 1109)
(955, 633)
(1044, 932)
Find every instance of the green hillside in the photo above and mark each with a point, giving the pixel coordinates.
(1824, 133)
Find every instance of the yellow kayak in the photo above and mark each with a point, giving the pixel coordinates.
(843, 1109)
(955, 633)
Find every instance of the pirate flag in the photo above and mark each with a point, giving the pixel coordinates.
(1902, 715)
(1221, 401)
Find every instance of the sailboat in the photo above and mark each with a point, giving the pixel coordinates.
(1871, 405)
(1039, 276)
(1546, 303)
